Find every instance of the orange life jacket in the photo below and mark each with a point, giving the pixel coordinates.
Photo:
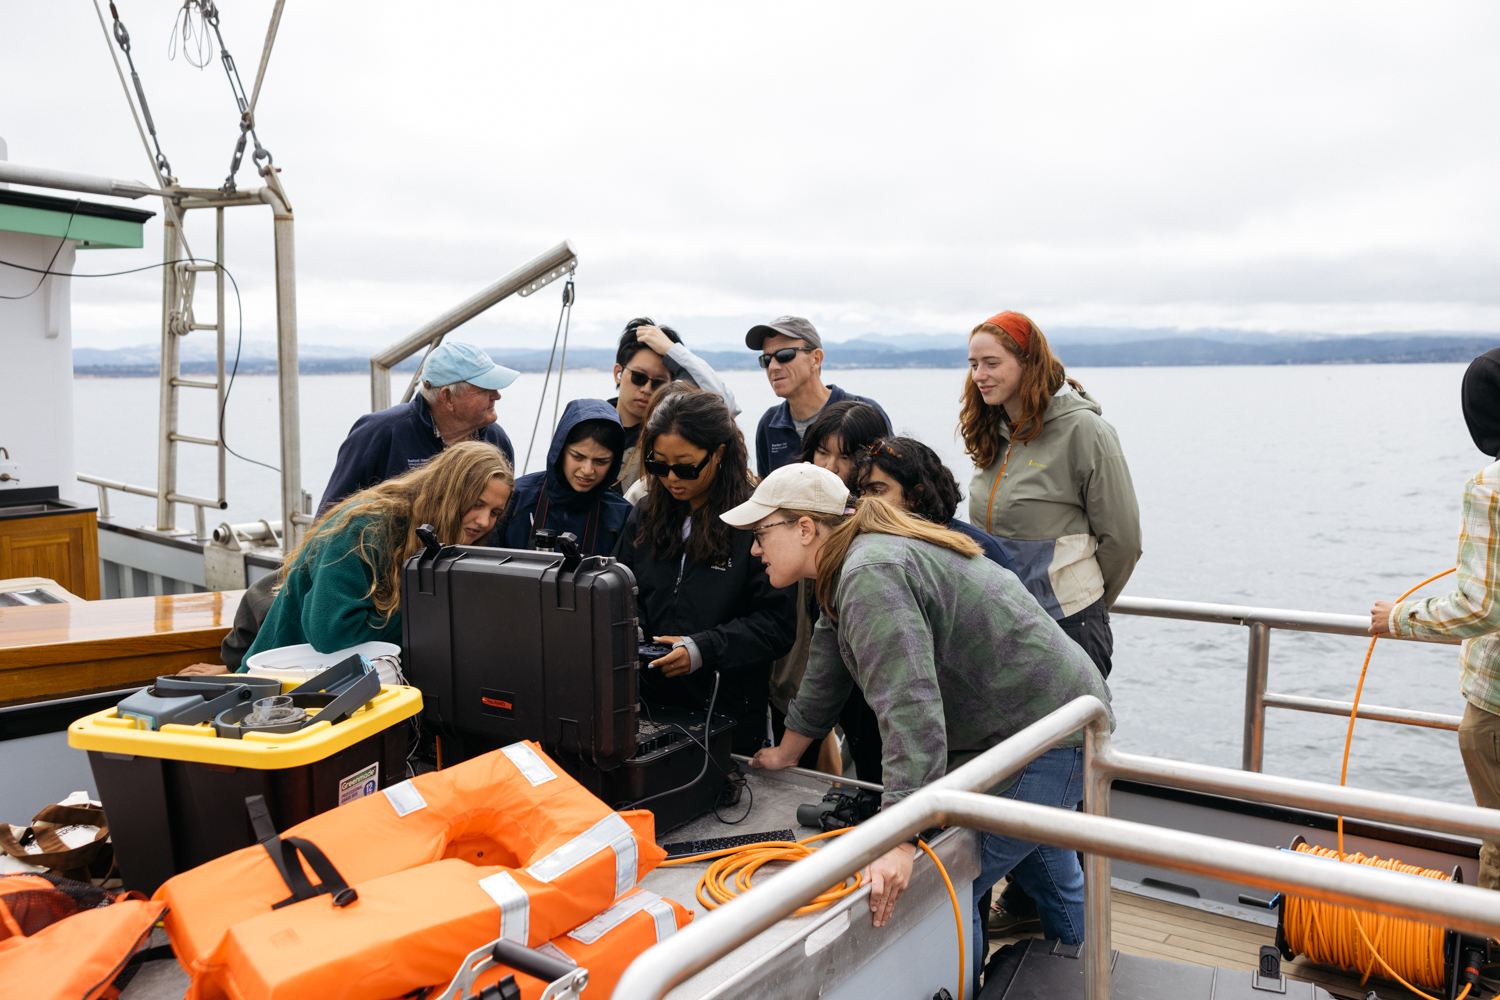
(605, 945)
(50, 950)
(437, 863)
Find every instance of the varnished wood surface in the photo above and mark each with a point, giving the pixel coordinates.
(1154, 928)
(62, 547)
(58, 650)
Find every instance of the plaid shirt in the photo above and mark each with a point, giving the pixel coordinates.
(1472, 611)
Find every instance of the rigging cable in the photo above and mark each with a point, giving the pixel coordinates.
(565, 312)
(122, 37)
(239, 341)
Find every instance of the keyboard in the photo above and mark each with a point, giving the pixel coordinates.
(691, 847)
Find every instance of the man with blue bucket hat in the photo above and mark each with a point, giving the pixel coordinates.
(455, 402)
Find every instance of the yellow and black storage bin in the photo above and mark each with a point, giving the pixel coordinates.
(173, 770)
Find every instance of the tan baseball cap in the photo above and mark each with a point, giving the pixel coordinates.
(793, 487)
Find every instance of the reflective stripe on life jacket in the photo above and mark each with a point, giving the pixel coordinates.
(605, 945)
(439, 861)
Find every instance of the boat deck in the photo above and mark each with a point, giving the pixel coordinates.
(1157, 928)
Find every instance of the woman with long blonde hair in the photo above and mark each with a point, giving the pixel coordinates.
(951, 652)
(341, 585)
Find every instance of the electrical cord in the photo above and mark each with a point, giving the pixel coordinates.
(707, 754)
(239, 309)
(734, 868)
(48, 269)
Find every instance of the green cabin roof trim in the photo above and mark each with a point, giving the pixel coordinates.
(93, 225)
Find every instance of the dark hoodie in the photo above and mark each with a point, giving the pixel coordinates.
(1481, 396)
(548, 500)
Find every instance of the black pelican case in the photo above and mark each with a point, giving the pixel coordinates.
(513, 644)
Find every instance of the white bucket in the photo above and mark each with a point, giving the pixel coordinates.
(302, 663)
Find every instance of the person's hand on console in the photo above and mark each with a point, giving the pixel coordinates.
(677, 663)
(793, 745)
(204, 668)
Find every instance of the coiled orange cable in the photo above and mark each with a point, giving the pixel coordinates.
(732, 873)
(1331, 934)
(1322, 931)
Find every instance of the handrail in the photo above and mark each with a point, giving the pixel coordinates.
(1260, 622)
(197, 503)
(954, 799)
(1238, 614)
(527, 278)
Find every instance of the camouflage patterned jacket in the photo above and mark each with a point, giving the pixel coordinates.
(953, 654)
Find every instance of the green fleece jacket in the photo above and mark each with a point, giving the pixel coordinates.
(951, 652)
(323, 600)
(1065, 509)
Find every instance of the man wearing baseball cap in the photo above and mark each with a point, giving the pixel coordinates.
(791, 352)
(455, 402)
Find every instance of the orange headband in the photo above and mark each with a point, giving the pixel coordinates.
(1018, 326)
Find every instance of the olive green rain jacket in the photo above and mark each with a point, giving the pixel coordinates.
(1065, 508)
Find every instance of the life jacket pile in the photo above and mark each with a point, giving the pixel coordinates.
(62, 940)
(413, 879)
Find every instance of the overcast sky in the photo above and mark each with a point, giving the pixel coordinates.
(878, 168)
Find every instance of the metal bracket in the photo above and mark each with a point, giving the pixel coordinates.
(1266, 984)
(482, 960)
(566, 270)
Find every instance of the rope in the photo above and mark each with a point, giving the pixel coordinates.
(732, 873)
(565, 311)
(1331, 934)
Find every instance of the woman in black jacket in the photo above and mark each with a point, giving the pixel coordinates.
(700, 588)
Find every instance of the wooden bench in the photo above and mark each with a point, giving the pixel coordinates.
(62, 650)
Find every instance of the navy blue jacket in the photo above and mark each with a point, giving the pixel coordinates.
(547, 500)
(993, 551)
(392, 441)
(777, 442)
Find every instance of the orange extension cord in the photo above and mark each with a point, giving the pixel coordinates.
(731, 875)
(1322, 931)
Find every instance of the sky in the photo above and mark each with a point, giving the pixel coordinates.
(879, 168)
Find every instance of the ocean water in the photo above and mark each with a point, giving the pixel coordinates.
(1321, 488)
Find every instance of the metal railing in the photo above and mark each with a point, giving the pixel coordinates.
(1260, 622)
(956, 800)
(556, 263)
(197, 503)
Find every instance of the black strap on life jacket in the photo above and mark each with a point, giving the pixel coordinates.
(284, 855)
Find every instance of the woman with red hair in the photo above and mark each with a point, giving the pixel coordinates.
(1052, 486)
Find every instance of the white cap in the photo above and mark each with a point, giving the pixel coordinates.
(792, 487)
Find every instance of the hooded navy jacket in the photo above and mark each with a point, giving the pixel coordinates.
(547, 500)
(777, 442)
(392, 441)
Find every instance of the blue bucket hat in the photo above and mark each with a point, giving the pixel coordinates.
(453, 362)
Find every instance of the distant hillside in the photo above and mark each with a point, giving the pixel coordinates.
(884, 351)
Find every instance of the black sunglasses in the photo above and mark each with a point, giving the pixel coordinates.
(661, 469)
(785, 355)
(641, 378)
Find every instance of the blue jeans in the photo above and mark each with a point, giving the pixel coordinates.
(1050, 875)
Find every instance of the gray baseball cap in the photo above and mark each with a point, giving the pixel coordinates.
(788, 326)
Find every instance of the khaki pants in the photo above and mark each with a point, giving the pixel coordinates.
(1479, 742)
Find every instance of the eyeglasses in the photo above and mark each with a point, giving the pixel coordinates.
(785, 355)
(641, 378)
(755, 532)
(662, 470)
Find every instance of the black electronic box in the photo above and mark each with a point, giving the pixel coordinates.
(516, 644)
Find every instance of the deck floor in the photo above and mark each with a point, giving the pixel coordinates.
(1158, 929)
